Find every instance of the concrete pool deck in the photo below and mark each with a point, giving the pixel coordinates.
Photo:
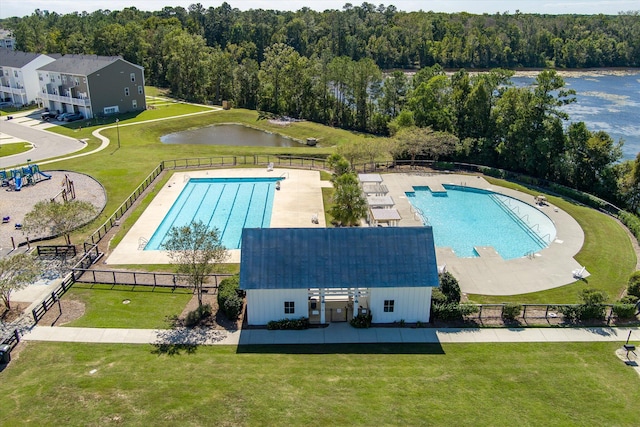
(300, 198)
(490, 274)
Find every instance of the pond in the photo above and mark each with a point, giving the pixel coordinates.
(237, 135)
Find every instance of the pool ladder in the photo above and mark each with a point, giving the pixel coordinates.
(283, 174)
(418, 215)
(142, 243)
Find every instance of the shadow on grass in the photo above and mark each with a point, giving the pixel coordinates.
(374, 348)
(181, 339)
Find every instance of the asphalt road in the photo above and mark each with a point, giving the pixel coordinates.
(46, 144)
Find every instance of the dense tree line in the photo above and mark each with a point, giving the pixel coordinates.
(389, 37)
(330, 67)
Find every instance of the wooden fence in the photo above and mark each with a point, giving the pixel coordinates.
(12, 340)
(57, 250)
(50, 300)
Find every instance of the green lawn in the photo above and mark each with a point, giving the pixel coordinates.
(146, 309)
(607, 253)
(14, 148)
(454, 384)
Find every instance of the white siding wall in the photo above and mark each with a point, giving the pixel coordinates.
(30, 76)
(266, 305)
(410, 304)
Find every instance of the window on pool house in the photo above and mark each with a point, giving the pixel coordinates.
(289, 307)
(388, 305)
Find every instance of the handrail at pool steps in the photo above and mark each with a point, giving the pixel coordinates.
(520, 220)
(418, 215)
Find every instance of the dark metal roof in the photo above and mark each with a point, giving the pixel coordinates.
(16, 59)
(370, 257)
(82, 65)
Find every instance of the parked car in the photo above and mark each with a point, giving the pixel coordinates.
(60, 117)
(73, 116)
(48, 115)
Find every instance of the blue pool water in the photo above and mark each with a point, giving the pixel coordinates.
(229, 204)
(466, 217)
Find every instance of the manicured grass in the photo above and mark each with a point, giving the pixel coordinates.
(14, 148)
(607, 253)
(146, 308)
(453, 384)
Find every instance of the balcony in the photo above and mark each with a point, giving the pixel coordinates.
(65, 99)
(14, 90)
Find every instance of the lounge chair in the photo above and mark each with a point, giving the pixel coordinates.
(18, 226)
(5, 219)
(579, 273)
(270, 167)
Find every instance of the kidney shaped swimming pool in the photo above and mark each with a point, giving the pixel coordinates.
(463, 218)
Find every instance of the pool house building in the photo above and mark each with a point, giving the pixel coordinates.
(333, 274)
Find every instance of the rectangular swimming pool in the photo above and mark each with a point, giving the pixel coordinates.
(228, 204)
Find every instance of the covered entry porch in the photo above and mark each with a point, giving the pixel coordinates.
(331, 305)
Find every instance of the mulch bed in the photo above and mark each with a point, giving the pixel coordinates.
(17, 308)
(217, 321)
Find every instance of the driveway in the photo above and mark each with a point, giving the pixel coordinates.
(30, 129)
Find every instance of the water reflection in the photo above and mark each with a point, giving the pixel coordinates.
(237, 135)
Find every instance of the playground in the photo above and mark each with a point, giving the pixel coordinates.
(50, 185)
(15, 179)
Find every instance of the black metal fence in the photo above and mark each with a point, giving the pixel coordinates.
(530, 313)
(124, 207)
(142, 278)
(246, 160)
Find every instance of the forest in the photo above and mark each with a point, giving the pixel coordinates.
(378, 70)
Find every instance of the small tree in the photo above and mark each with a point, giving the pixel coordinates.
(349, 204)
(58, 219)
(416, 141)
(195, 249)
(449, 287)
(16, 272)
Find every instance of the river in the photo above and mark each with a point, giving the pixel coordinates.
(605, 100)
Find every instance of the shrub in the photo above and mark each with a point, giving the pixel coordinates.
(632, 222)
(452, 311)
(437, 297)
(511, 311)
(362, 320)
(570, 312)
(196, 316)
(228, 290)
(289, 324)
(634, 285)
(629, 299)
(449, 287)
(592, 308)
(624, 311)
(232, 307)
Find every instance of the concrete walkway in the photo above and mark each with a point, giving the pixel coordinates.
(336, 333)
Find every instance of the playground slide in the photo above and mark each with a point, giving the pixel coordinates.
(35, 169)
(46, 175)
(18, 180)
